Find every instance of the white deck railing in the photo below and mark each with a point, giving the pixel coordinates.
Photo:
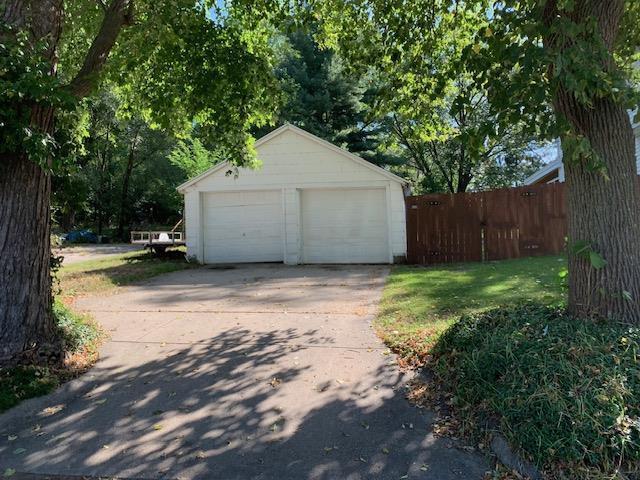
(157, 237)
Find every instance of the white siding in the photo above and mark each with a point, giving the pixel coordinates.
(292, 162)
(637, 131)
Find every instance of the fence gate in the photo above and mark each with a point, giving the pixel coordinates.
(493, 225)
(444, 228)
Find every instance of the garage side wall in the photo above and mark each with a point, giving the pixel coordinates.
(291, 162)
(398, 222)
(192, 224)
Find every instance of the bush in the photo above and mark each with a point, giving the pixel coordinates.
(20, 383)
(565, 391)
(80, 335)
(79, 332)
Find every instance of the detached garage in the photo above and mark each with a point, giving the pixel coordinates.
(308, 202)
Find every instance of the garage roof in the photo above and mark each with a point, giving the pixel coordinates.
(288, 127)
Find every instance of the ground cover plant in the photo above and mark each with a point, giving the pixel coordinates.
(563, 391)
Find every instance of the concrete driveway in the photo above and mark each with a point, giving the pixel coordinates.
(255, 372)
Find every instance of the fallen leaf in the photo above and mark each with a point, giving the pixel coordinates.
(157, 426)
(385, 451)
(19, 451)
(11, 438)
(9, 472)
(52, 410)
(275, 381)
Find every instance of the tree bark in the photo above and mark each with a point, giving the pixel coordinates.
(27, 329)
(603, 208)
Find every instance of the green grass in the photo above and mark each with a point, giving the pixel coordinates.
(419, 303)
(106, 274)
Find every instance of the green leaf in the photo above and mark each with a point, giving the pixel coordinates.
(596, 260)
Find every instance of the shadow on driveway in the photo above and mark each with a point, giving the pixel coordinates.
(261, 396)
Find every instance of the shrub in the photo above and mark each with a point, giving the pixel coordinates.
(79, 332)
(564, 390)
(20, 383)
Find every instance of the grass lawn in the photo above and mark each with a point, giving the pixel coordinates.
(80, 332)
(418, 303)
(96, 277)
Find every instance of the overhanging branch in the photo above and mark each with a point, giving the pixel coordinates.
(118, 15)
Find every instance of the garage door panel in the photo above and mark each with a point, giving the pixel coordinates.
(344, 226)
(243, 227)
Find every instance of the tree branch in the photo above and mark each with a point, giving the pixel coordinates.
(118, 15)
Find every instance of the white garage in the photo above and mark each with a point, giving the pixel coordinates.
(308, 202)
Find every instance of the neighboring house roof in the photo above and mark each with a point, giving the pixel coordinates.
(288, 127)
(556, 165)
(544, 171)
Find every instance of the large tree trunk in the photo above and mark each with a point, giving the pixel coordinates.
(604, 213)
(27, 332)
(604, 206)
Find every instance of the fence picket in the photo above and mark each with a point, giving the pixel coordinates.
(492, 225)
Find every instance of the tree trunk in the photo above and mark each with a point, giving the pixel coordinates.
(604, 214)
(27, 330)
(124, 197)
(604, 206)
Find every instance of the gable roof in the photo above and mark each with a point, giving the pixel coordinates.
(292, 128)
(544, 171)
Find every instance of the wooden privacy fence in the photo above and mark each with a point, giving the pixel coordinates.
(493, 225)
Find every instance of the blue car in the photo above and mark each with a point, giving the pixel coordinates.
(81, 236)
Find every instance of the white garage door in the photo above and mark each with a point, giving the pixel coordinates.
(243, 227)
(344, 226)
